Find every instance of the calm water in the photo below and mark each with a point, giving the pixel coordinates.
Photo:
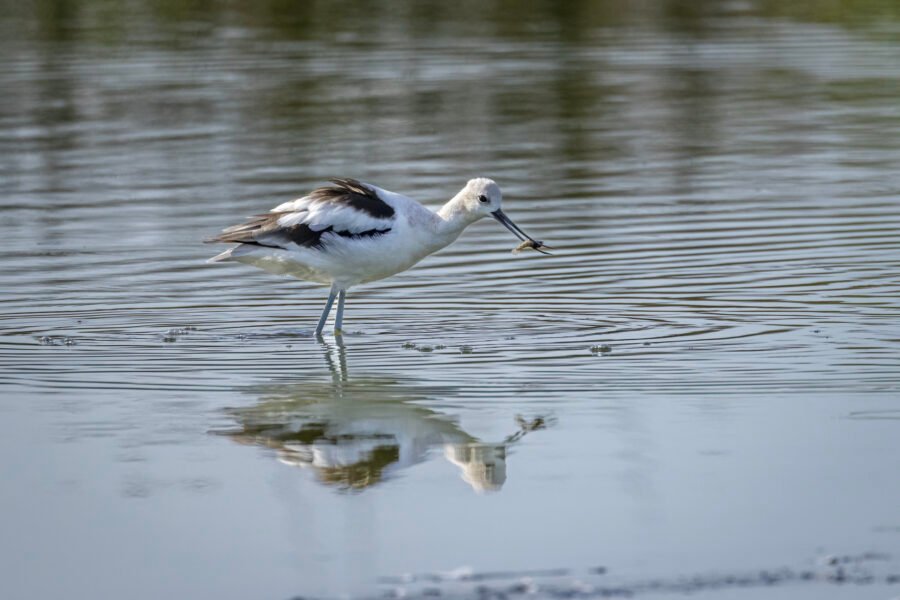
(703, 381)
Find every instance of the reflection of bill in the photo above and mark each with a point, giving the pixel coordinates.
(355, 433)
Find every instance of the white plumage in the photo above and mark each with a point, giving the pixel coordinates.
(352, 232)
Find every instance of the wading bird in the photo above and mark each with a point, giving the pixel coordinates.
(352, 232)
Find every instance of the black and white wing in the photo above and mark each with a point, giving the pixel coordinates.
(347, 209)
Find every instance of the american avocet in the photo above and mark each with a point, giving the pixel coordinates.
(352, 232)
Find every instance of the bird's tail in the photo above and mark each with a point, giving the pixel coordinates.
(222, 257)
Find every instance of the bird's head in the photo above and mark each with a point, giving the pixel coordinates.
(482, 197)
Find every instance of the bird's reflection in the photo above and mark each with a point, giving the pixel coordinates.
(356, 432)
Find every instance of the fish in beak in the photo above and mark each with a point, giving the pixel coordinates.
(527, 240)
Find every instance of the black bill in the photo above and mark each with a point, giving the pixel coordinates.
(529, 241)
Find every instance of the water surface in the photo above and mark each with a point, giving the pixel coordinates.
(704, 380)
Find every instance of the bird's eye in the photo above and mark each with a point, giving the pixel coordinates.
(483, 199)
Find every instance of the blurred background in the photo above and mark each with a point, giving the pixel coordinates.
(702, 385)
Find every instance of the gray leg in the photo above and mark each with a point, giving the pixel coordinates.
(327, 310)
(339, 317)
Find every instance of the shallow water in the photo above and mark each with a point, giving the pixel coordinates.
(704, 380)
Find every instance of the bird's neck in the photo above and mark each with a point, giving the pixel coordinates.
(454, 218)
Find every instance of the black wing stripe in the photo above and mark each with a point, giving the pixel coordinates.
(319, 244)
(358, 196)
(303, 236)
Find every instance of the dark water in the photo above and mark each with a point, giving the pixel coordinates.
(704, 380)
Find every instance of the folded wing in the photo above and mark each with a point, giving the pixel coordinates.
(346, 209)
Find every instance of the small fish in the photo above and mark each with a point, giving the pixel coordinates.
(533, 244)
